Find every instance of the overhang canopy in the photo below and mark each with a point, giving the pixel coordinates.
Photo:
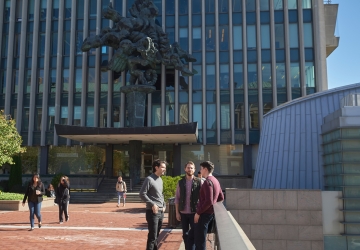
(181, 133)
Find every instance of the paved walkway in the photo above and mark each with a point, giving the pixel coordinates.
(90, 226)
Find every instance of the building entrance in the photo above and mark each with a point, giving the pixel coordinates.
(150, 152)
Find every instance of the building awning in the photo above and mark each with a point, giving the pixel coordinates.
(181, 133)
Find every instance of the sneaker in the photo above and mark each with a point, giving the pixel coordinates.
(31, 229)
(123, 205)
(60, 222)
(39, 224)
(67, 219)
(118, 205)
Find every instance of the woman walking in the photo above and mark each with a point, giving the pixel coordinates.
(33, 194)
(63, 198)
(121, 190)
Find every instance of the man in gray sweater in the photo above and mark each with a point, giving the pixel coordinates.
(152, 193)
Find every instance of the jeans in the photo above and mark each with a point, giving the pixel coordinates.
(154, 225)
(63, 208)
(188, 235)
(201, 229)
(35, 208)
(121, 194)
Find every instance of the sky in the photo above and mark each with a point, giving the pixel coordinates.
(343, 65)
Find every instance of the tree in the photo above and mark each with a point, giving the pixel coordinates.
(10, 140)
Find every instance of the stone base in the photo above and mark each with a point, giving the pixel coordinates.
(135, 103)
(6, 205)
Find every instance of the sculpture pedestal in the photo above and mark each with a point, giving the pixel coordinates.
(135, 103)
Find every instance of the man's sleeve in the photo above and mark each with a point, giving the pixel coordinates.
(208, 201)
(143, 192)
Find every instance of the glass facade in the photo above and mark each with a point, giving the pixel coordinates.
(237, 59)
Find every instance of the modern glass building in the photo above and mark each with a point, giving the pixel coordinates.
(252, 55)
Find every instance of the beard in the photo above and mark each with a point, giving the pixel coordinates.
(189, 174)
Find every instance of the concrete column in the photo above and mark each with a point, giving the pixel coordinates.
(44, 151)
(109, 152)
(163, 72)
(72, 68)
(34, 78)
(231, 73)
(109, 119)
(203, 69)
(10, 58)
(217, 71)
(318, 15)
(176, 72)
(287, 52)
(97, 68)
(84, 66)
(59, 68)
(45, 101)
(20, 98)
(246, 92)
(301, 48)
(273, 54)
(135, 149)
(123, 82)
(1, 24)
(259, 64)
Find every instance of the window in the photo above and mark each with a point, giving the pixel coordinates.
(251, 37)
(225, 116)
(278, 4)
(265, 36)
(308, 37)
(237, 37)
(211, 116)
(64, 116)
(237, 5)
(224, 76)
(306, 4)
(279, 36)
(264, 4)
(266, 75)
(295, 75)
(292, 4)
(252, 76)
(90, 117)
(197, 115)
(224, 37)
(293, 35)
(210, 77)
(280, 75)
(309, 74)
(238, 76)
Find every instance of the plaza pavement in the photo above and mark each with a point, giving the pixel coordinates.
(90, 226)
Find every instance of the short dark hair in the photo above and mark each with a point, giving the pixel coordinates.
(157, 163)
(189, 162)
(199, 172)
(208, 165)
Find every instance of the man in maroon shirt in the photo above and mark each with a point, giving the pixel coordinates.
(210, 193)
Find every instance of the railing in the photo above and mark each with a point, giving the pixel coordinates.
(102, 176)
(229, 234)
(350, 100)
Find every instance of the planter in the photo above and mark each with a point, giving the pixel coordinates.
(17, 205)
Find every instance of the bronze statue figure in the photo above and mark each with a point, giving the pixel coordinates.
(140, 44)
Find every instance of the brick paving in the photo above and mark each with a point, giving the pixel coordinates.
(91, 226)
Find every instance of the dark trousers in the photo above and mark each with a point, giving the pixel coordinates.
(201, 229)
(35, 209)
(154, 225)
(188, 235)
(63, 209)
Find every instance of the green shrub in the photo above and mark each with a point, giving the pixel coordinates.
(11, 196)
(56, 180)
(15, 178)
(170, 184)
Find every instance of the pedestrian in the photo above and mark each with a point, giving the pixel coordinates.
(200, 176)
(210, 193)
(50, 192)
(151, 192)
(121, 190)
(34, 194)
(63, 198)
(186, 199)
